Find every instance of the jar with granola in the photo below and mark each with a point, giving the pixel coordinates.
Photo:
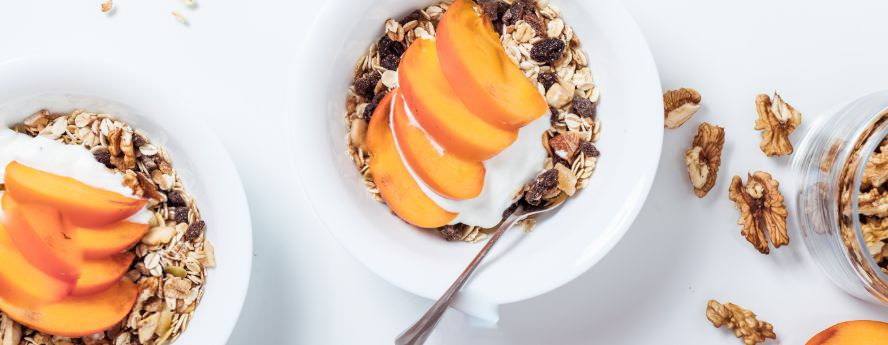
(842, 201)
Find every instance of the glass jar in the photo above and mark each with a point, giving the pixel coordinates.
(829, 166)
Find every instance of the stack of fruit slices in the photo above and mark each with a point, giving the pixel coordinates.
(461, 102)
(63, 245)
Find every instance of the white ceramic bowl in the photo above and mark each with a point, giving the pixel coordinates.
(562, 246)
(64, 84)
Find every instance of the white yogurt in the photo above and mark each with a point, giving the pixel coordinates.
(72, 161)
(506, 173)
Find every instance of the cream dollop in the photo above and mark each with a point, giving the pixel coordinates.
(54, 157)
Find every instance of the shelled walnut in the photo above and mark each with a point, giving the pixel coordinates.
(679, 105)
(872, 203)
(704, 157)
(777, 120)
(761, 210)
(742, 321)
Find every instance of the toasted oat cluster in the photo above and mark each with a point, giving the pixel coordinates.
(873, 205)
(171, 259)
(538, 41)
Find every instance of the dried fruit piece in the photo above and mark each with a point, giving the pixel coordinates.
(547, 50)
(547, 79)
(742, 321)
(761, 210)
(390, 62)
(365, 86)
(679, 105)
(567, 180)
(777, 120)
(704, 157)
(541, 185)
(589, 149)
(195, 230)
(583, 107)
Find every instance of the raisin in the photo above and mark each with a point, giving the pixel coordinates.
(181, 215)
(493, 9)
(388, 47)
(514, 14)
(368, 111)
(583, 107)
(589, 149)
(139, 141)
(547, 79)
(195, 230)
(553, 116)
(364, 86)
(450, 232)
(511, 209)
(547, 50)
(103, 156)
(176, 199)
(390, 61)
(536, 23)
(542, 184)
(415, 15)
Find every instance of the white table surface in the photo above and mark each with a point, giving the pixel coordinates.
(651, 289)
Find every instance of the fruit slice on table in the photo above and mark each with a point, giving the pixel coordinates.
(443, 172)
(100, 274)
(853, 333)
(22, 282)
(79, 202)
(104, 241)
(395, 184)
(441, 113)
(77, 316)
(39, 235)
(485, 79)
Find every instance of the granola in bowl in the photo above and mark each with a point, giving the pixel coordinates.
(167, 264)
(542, 49)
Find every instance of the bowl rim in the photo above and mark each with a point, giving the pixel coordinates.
(96, 74)
(314, 38)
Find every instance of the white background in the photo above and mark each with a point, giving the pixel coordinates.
(651, 289)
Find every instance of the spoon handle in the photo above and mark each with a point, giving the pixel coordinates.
(420, 331)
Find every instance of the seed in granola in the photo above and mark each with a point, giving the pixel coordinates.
(364, 86)
(390, 62)
(589, 149)
(103, 156)
(389, 47)
(584, 107)
(547, 50)
(194, 230)
(547, 79)
(541, 185)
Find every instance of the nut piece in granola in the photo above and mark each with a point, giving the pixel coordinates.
(742, 321)
(679, 105)
(777, 120)
(704, 157)
(761, 210)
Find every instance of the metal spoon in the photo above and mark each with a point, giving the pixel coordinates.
(420, 331)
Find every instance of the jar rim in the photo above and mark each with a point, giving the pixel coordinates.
(876, 137)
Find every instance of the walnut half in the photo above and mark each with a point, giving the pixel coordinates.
(777, 120)
(761, 210)
(704, 157)
(742, 321)
(679, 105)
